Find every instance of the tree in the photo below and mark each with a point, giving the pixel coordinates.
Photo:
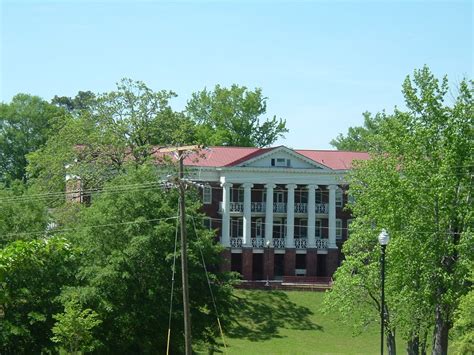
(464, 321)
(84, 100)
(115, 129)
(232, 117)
(25, 125)
(361, 139)
(73, 329)
(418, 185)
(128, 238)
(32, 274)
(22, 214)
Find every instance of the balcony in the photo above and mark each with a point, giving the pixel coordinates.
(278, 243)
(258, 242)
(301, 243)
(236, 242)
(278, 207)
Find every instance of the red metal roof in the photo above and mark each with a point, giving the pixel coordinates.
(231, 156)
(334, 159)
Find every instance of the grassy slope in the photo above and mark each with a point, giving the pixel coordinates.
(292, 323)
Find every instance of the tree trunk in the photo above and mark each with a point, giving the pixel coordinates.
(390, 339)
(440, 333)
(413, 346)
(423, 342)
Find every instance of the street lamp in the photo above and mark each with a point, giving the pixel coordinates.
(267, 244)
(383, 240)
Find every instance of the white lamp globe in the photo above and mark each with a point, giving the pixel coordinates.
(384, 238)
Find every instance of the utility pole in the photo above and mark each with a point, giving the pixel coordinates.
(184, 244)
(184, 258)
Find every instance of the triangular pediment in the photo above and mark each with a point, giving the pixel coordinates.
(282, 157)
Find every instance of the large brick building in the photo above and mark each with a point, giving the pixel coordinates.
(277, 211)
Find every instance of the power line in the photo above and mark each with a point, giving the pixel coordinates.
(151, 185)
(64, 230)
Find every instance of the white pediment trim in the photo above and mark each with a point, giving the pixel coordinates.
(283, 149)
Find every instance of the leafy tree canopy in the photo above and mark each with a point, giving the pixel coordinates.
(22, 214)
(417, 185)
(231, 116)
(32, 274)
(128, 238)
(26, 123)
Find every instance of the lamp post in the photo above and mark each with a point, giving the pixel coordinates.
(267, 244)
(383, 240)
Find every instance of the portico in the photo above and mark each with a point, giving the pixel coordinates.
(254, 212)
(277, 211)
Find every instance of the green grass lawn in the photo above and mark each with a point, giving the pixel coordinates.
(275, 322)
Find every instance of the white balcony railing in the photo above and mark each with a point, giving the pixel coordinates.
(258, 242)
(236, 206)
(301, 207)
(301, 243)
(278, 243)
(278, 207)
(236, 242)
(258, 206)
(321, 243)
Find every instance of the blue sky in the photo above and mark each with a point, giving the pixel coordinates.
(320, 63)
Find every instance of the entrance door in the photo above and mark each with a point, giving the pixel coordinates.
(321, 269)
(279, 266)
(257, 267)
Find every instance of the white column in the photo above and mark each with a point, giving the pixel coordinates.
(247, 242)
(311, 216)
(332, 216)
(225, 239)
(290, 216)
(269, 213)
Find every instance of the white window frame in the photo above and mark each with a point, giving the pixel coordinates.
(258, 228)
(338, 228)
(303, 227)
(236, 225)
(318, 196)
(339, 198)
(207, 195)
(280, 162)
(279, 196)
(318, 228)
(207, 223)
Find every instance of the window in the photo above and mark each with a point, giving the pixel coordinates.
(339, 198)
(237, 195)
(281, 162)
(319, 227)
(207, 223)
(303, 228)
(301, 196)
(237, 227)
(258, 228)
(207, 195)
(319, 196)
(278, 197)
(338, 228)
